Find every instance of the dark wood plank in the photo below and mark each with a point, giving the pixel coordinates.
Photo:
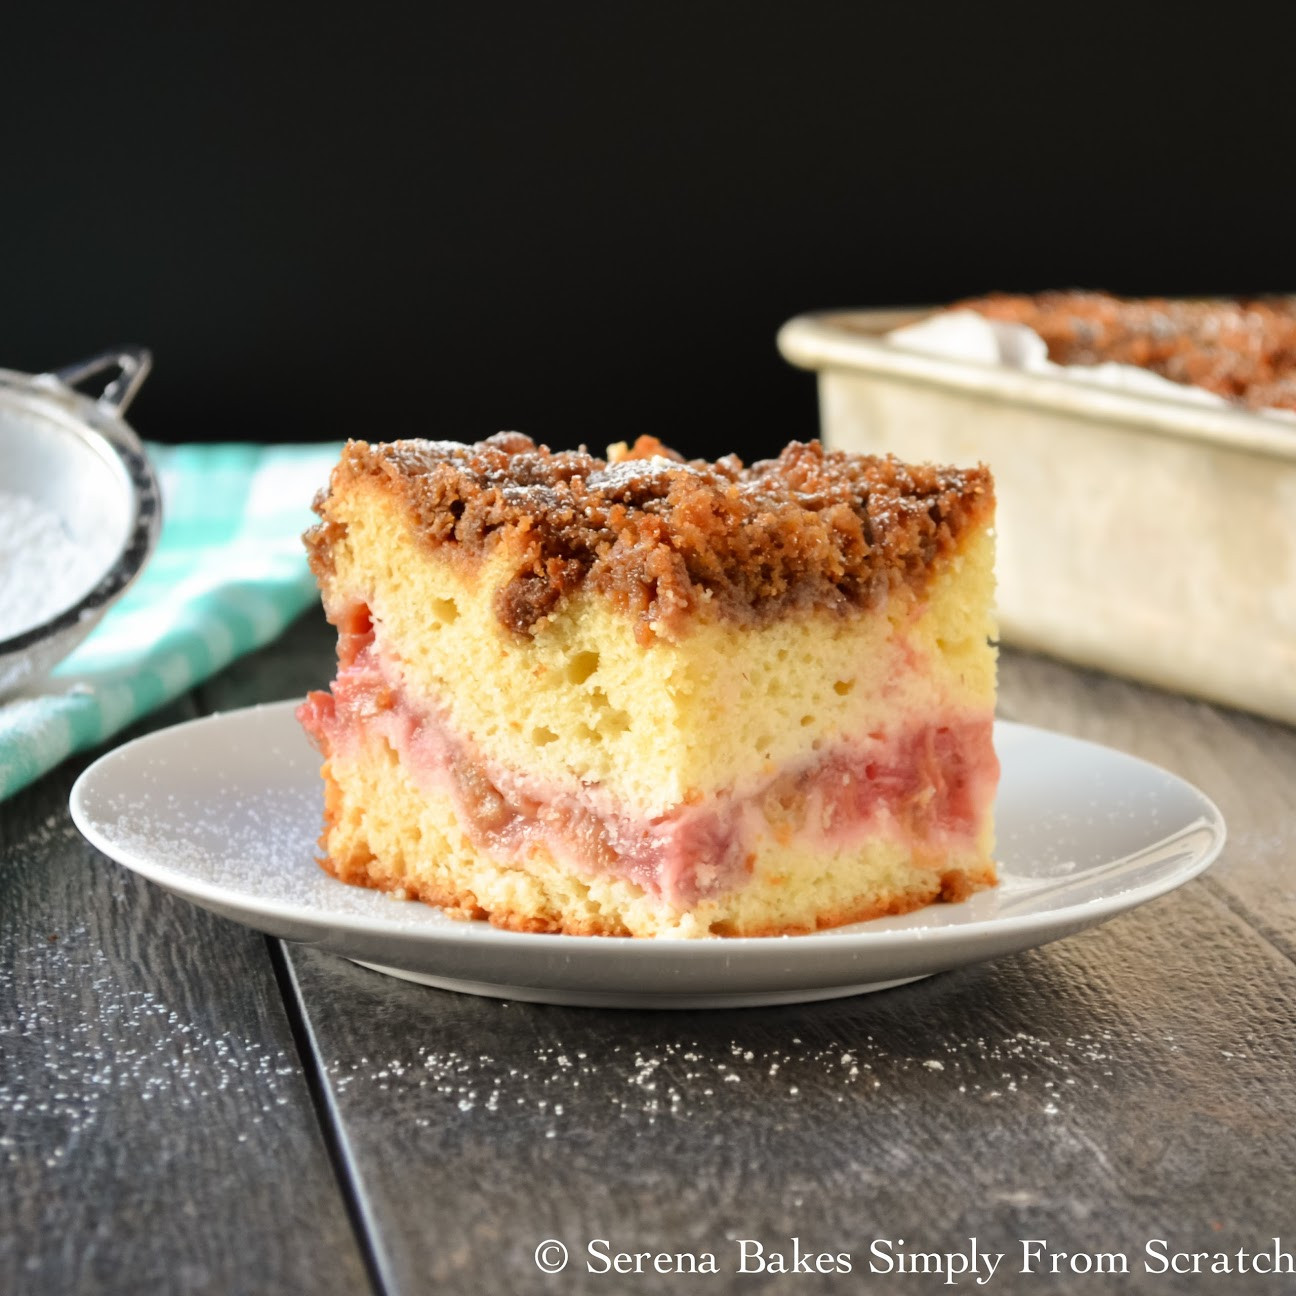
(157, 1133)
(1245, 764)
(1134, 1082)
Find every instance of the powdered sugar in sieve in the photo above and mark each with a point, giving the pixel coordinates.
(43, 571)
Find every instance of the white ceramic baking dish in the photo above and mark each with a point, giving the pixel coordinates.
(1148, 536)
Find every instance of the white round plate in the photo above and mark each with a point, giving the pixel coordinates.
(225, 811)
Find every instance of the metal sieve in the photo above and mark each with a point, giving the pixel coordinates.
(74, 455)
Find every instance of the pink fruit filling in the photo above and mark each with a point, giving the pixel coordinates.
(928, 785)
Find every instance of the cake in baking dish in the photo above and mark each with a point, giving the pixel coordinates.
(641, 696)
(1243, 350)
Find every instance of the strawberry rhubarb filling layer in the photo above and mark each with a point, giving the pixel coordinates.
(928, 786)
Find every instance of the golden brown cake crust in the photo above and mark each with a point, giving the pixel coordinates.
(953, 886)
(658, 536)
(1243, 350)
(360, 868)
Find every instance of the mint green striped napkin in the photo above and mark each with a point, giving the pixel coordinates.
(228, 575)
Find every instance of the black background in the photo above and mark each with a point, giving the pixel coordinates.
(587, 221)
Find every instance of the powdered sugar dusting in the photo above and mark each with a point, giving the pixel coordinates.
(631, 472)
(684, 1077)
(92, 1041)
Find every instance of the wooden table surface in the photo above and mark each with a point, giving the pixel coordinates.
(188, 1106)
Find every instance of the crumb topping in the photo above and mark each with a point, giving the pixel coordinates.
(1243, 350)
(660, 536)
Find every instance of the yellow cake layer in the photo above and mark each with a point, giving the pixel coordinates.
(384, 830)
(581, 701)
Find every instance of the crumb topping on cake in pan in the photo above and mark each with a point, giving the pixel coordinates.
(659, 536)
(1243, 350)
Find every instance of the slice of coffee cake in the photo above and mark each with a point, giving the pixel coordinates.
(649, 697)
